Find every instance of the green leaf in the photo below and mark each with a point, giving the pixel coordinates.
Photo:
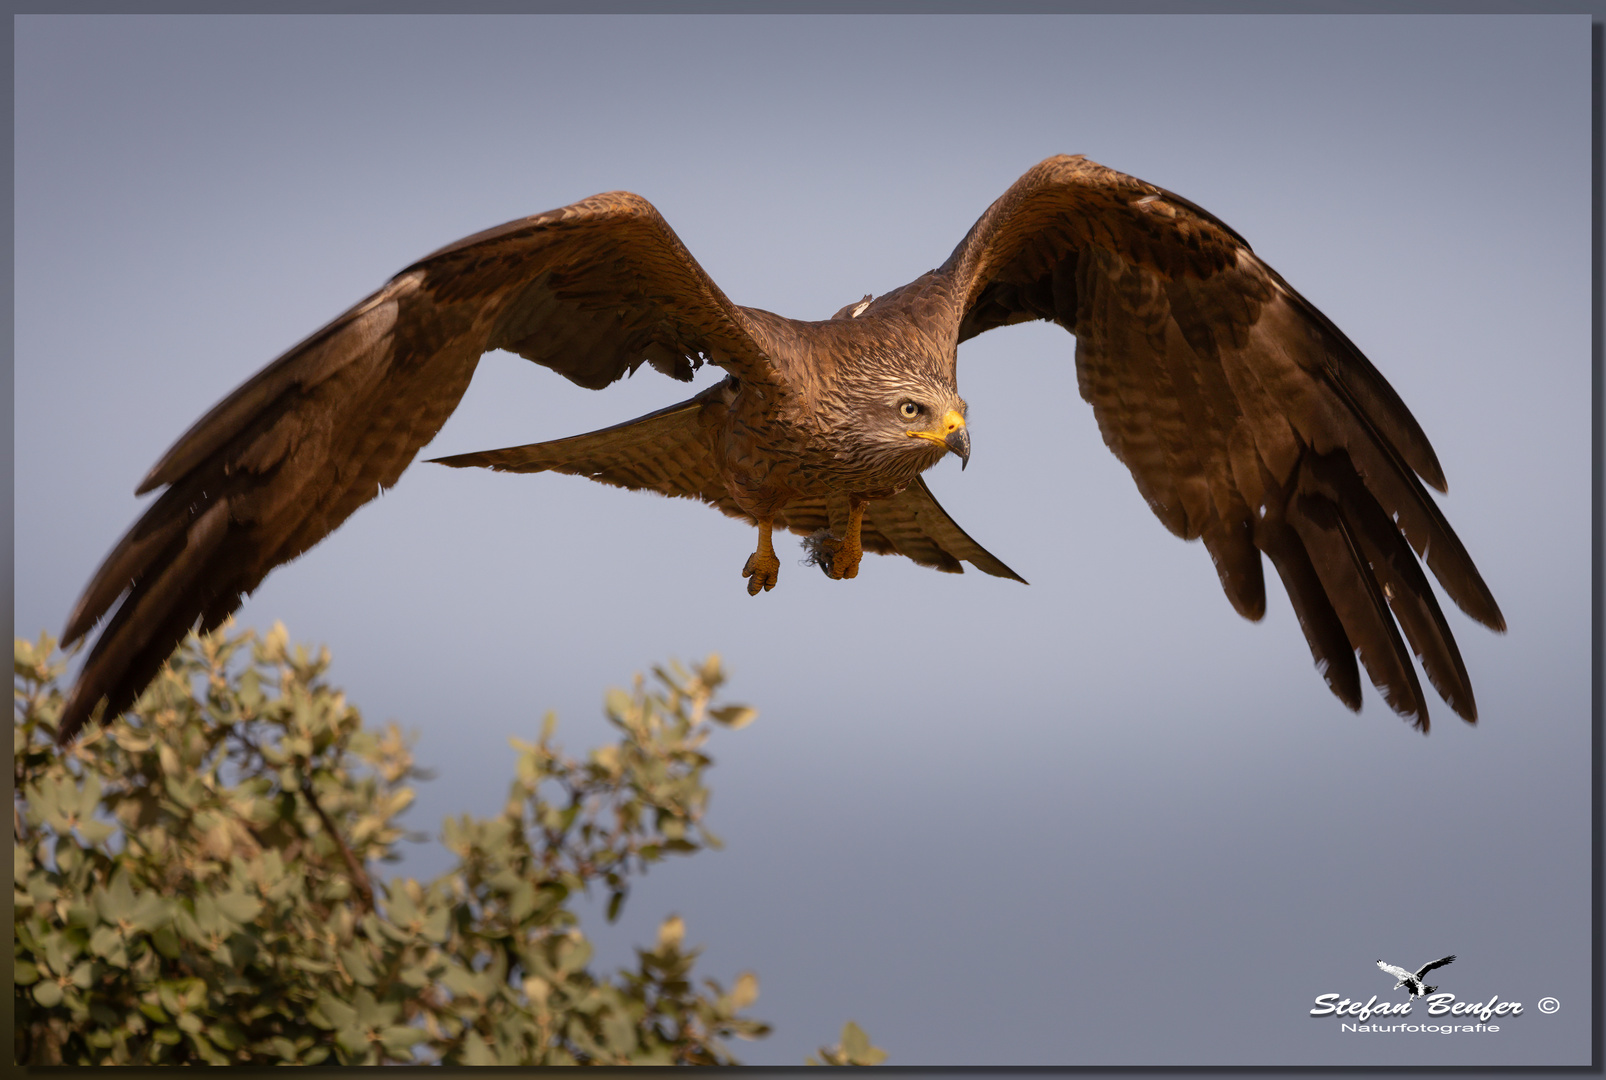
(239, 906)
(353, 1039)
(148, 912)
(95, 832)
(107, 942)
(331, 1012)
(475, 1052)
(401, 908)
(618, 704)
(856, 1046)
(357, 966)
(60, 950)
(116, 901)
(745, 992)
(371, 1012)
(438, 924)
(167, 943)
(399, 1038)
(573, 953)
(734, 717)
(226, 1034)
(671, 932)
(461, 982)
(522, 900)
(618, 1032)
(204, 1048)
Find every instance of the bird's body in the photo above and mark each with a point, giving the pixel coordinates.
(1414, 980)
(801, 437)
(1246, 418)
(795, 451)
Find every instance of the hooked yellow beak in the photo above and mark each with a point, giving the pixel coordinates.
(951, 434)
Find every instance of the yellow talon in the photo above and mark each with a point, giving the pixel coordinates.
(763, 569)
(842, 557)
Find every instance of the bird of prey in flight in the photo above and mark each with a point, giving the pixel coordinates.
(1414, 980)
(1247, 419)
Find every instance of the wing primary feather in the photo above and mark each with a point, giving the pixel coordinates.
(1405, 587)
(123, 661)
(348, 339)
(1359, 602)
(1368, 394)
(156, 529)
(1400, 493)
(1231, 545)
(1324, 633)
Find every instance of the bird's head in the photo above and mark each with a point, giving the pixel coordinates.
(938, 423)
(907, 421)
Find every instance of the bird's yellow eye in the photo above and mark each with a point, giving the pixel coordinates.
(909, 410)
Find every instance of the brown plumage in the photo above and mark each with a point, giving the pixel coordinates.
(1247, 419)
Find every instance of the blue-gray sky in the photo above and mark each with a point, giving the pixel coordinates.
(1099, 819)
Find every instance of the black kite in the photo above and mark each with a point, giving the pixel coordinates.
(1248, 420)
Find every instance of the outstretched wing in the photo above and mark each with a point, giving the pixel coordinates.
(670, 452)
(1248, 420)
(1425, 968)
(592, 290)
(1397, 972)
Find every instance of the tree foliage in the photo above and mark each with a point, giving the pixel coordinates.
(852, 1049)
(191, 880)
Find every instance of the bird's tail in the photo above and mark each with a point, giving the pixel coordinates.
(667, 451)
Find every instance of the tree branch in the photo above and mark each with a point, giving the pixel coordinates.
(359, 876)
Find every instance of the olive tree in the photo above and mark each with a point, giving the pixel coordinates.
(193, 882)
